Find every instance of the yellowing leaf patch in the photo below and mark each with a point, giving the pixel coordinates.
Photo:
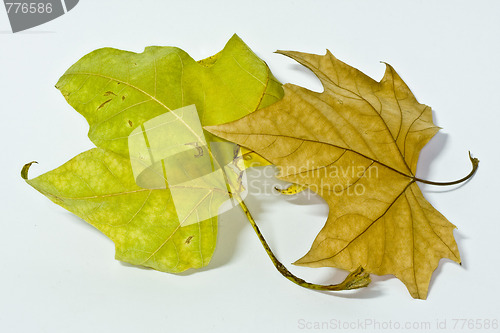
(99, 187)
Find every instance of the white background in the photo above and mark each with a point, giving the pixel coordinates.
(58, 274)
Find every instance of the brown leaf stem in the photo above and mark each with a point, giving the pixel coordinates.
(475, 165)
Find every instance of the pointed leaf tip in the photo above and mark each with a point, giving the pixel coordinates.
(25, 169)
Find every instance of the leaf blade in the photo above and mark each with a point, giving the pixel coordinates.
(331, 142)
(147, 220)
(117, 91)
(126, 89)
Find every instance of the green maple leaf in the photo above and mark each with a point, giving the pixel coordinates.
(117, 91)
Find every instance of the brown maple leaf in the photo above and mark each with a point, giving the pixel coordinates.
(356, 144)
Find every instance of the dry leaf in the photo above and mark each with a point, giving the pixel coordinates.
(356, 144)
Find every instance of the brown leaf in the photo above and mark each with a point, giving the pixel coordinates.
(356, 144)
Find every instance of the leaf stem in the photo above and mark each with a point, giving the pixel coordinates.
(357, 279)
(475, 165)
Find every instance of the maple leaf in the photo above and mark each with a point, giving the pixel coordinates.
(356, 144)
(98, 186)
(119, 91)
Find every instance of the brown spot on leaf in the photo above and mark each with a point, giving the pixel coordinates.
(102, 105)
(123, 98)
(188, 240)
(130, 123)
(108, 93)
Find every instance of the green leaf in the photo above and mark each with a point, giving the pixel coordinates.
(118, 91)
(98, 186)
